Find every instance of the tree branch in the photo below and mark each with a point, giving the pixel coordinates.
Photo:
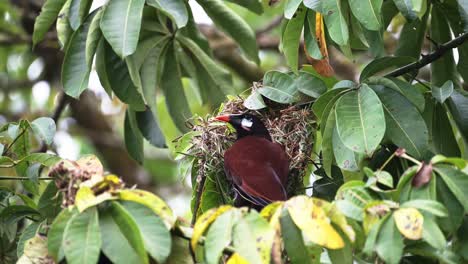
(440, 51)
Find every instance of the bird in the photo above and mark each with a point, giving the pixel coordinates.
(257, 167)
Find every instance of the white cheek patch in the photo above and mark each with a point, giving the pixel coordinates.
(246, 124)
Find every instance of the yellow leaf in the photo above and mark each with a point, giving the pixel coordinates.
(269, 210)
(336, 217)
(322, 66)
(236, 259)
(313, 221)
(410, 222)
(204, 221)
(85, 198)
(150, 200)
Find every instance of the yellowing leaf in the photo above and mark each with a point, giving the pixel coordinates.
(236, 259)
(151, 201)
(313, 221)
(322, 66)
(373, 212)
(269, 210)
(336, 217)
(85, 198)
(204, 221)
(410, 222)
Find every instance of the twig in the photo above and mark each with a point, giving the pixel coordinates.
(440, 51)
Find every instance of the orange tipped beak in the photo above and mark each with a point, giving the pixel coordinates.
(224, 118)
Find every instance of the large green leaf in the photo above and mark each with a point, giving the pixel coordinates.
(119, 79)
(93, 37)
(279, 87)
(444, 68)
(310, 85)
(310, 39)
(293, 240)
(115, 245)
(456, 181)
(291, 7)
(46, 18)
(175, 9)
(412, 37)
(78, 11)
(253, 5)
(458, 105)
(404, 124)
(443, 137)
(156, 237)
(406, 9)
(82, 238)
(173, 90)
(454, 207)
(75, 69)
(345, 158)
(149, 128)
(389, 245)
(383, 64)
(29, 232)
(219, 235)
(430, 206)
(44, 128)
(64, 31)
(327, 143)
(120, 25)
(133, 137)
(442, 93)
(231, 23)
(367, 12)
(56, 232)
(336, 23)
(291, 38)
(432, 233)
(325, 100)
(360, 120)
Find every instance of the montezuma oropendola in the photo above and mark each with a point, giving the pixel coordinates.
(257, 167)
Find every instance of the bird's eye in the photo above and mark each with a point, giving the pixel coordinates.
(246, 123)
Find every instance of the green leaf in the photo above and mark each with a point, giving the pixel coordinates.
(44, 128)
(336, 23)
(430, 206)
(342, 255)
(120, 25)
(13, 213)
(406, 9)
(279, 87)
(64, 31)
(455, 209)
(456, 181)
(119, 79)
(293, 240)
(253, 5)
(442, 93)
(310, 38)
(115, 245)
(389, 245)
(315, 5)
(443, 138)
(219, 236)
(56, 233)
(156, 237)
(149, 128)
(212, 72)
(173, 90)
(231, 23)
(291, 38)
(28, 233)
(345, 158)
(310, 85)
(372, 236)
(458, 162)
(128, 227)
(82, 238)
(101, 66)
(384, 64)
(45, 159)
(327, 143)
(50, 202)
(404, 124)
(412, 37)
(458, 105)
(326, 101)
(133, 137)
(444, 68)
(432, 233)
(291, 7)
(254, 101)
(175, 9)
(93, 37)
(78, 11)
(46, 18)
(360, 120)
(367, 12)
(75, 69)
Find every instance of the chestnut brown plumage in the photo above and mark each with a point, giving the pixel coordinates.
(257, 167)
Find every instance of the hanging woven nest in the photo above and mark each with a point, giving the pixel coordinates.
(291, 126)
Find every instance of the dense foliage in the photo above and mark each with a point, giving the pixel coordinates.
(389, 150)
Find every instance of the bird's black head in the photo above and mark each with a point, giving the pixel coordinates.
(246, 125)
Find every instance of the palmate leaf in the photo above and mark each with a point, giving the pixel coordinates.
(120, 25)
(46, 18)
(228, 21)
(175, 9)
(149, 128)
(360, 120)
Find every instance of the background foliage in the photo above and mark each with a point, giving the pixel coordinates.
(386, 81)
